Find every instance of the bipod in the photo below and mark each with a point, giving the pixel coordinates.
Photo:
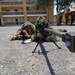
(39, 42)
(36, 46)
(55, 43)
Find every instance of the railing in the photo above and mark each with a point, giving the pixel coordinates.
(9, 3)
(21, 12)
(11, 13)
(37, 12)
(11, 23)
(14, 2)
(30, 2)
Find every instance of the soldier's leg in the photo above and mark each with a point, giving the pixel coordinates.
(72, 21)
(66, 20)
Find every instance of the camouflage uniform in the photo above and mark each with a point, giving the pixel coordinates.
(18, 35)
(42, 22)
(33, 31)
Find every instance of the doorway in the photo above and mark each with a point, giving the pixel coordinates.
(0, 23)
(16, 21)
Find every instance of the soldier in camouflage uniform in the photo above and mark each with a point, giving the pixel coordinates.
(30, 28)
(40, 24)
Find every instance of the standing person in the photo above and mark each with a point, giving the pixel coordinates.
(72, 17)
(58, 19)
(67, 13)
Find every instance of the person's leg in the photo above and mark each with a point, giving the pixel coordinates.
(72, 21)
(66, 21)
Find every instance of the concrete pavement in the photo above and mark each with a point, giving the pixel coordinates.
(17, 58)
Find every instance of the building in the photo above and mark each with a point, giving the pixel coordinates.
(17, 12)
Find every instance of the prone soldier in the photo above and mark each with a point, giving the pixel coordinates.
(40, 24)
(26, 30)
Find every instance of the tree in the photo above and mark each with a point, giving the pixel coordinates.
(43, 4)
(62, 4)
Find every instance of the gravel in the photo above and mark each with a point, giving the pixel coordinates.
(18, 59)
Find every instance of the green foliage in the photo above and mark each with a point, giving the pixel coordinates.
(65, 4)
(42, 4)
(62, 4)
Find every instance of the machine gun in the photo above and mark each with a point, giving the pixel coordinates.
(67, 37)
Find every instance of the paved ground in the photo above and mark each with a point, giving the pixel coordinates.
(17, 58)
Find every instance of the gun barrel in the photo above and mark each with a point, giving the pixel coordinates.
(58, 33)
(68, 38)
